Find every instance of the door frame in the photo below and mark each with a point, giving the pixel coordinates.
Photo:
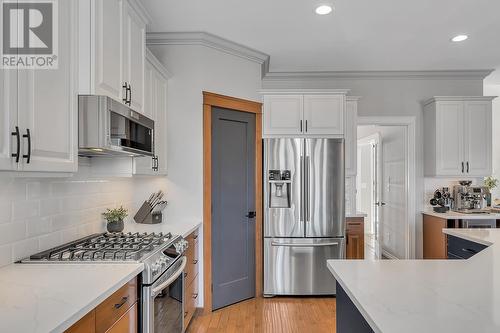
(211, 100)
(411, 195)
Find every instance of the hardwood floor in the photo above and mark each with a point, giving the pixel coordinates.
(273, 315)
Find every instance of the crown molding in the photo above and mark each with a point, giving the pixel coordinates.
(141, 10)
(479, 74)
(458, 98)
(157, 64)
(304, 91)
(211, 41)
(353, 98)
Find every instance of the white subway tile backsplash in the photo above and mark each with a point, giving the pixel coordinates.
(24, 248)
(12, 232)
(5, 211)
(38, 226)
(37, 214)
(24, 209)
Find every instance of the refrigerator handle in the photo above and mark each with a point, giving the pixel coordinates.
(302, 189)
(304, 244)
(307, 190)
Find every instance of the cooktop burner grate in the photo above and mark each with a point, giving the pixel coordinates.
(105, 247)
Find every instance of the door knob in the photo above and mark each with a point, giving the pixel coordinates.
(380, 204)
(251, 215)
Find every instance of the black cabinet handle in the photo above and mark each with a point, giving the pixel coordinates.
(301, 125)
(462, 167)
(306, 125)
(18, 141)
(123, 301)
(251, 215)
(129, 94)
(185, 275)
(467, 166)
(125, 99)
(195, 237)
(195, 262)
(28, 136)
(195, 296)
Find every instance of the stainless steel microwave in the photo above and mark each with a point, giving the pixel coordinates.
(109, 128)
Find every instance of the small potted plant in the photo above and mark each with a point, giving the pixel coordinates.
(490, 182)
(114, 218)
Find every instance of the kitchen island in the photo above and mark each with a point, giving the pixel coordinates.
(394, 296)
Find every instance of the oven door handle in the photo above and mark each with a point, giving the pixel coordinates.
(171, 279)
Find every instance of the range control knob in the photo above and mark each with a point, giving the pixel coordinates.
(155, 268)
(163, 261)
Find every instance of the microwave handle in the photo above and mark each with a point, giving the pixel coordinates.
(171, 279)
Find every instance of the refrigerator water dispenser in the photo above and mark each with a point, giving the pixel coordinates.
(279, 189)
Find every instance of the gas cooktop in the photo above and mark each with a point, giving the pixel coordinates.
(104, 247)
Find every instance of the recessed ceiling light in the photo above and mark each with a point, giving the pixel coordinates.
(459, 38)
(324, 9)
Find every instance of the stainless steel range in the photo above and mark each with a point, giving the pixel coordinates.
(162, 281)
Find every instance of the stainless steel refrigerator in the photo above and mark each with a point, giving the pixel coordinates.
(304, 218)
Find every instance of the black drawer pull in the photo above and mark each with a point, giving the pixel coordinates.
(185, 314)
(195, 296)
(195, 237)
(185, 275)
(123, 301)
(470, 251)
(195, 262)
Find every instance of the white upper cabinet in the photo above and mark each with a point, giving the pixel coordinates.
(115, 33)
(134, 56)
(292, 114)
(324, 114)
(351, 141)
(458, 136)
(155, 107)
(108, 48)
(42, 105)
(283, 114)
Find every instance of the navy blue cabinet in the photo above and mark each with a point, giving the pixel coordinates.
(349, 319)
(459, 248)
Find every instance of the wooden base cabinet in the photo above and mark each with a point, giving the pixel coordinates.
(117, 314)
(355, 234)
(191, 278)
(434, 238)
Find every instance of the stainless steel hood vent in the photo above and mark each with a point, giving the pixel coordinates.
(109, 128)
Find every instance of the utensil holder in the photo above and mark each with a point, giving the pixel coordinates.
(145, 215)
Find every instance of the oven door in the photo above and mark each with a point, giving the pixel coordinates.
(163, 303)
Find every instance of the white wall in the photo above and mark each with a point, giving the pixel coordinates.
(394, 97)
(39, 213)
(196, 69)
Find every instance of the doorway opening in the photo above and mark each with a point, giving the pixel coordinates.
(232, 200)
(385, 176)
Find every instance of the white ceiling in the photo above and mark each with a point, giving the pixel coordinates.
(358, 35)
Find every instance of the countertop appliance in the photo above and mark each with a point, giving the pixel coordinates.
(471, 199)
(442, 200)
(107, 127)
(161, 288)
(304, 217)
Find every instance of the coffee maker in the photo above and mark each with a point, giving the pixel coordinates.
(470, 199)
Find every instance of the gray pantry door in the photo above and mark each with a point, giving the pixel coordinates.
(233, 202)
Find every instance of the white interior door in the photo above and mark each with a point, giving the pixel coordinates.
(392, 205)
(48, 106)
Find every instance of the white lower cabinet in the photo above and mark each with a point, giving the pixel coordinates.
(155, 106)
(458, 136)
(44, 109)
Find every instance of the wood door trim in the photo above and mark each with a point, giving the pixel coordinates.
(211, 100)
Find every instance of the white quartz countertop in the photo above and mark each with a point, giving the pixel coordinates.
(357, 214)
(415, 296)
(450, 215)
(183, 228)
(52, 297)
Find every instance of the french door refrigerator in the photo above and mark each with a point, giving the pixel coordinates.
(304, 218)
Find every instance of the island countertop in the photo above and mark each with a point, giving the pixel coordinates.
(428, 295)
